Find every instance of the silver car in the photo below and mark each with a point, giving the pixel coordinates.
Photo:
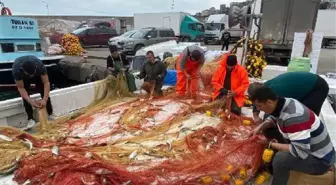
(132, 41)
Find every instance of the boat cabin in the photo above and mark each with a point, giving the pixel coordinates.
(19, 36)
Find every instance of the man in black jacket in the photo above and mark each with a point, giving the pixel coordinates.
(226, 40)
(153, 73)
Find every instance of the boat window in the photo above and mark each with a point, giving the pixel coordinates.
(7, 47)
(25, 47)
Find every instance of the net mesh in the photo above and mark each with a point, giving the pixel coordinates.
(123, 139)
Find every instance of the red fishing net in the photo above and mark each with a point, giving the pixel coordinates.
(188, 148)
(168, 140)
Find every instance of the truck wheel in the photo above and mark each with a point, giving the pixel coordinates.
(138, 47)
(186, 39)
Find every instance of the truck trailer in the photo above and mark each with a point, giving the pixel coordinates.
(280, 20)
(326, 23)
(186, 27)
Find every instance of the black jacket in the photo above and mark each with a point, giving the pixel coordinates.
(153, 72)
(226, 36)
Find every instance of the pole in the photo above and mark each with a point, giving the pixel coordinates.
(248, 32)
(47, 6)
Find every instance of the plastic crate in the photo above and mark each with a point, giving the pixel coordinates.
(138, 62)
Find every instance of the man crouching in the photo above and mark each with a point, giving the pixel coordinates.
(153, 73)
(308, 148)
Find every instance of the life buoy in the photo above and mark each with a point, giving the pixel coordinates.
(6, 11)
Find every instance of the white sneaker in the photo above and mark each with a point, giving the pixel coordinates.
(30, 124)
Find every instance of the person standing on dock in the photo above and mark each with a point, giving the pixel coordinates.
(308, 147)
(153, 73)
(29, 70)
(226, 37)
(189, 64)
(230, 79)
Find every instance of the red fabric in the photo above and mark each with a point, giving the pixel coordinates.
(6, 11)
(182, 82)
(300, 126)
(239, 81)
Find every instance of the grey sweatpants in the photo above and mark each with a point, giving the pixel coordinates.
(284, 162)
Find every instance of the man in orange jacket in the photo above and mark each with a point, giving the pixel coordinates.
(189, 64)
(231, 79)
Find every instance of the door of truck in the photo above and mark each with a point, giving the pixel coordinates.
(166, 22)
(272, 24)
(302, 16)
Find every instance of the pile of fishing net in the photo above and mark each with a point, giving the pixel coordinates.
(255, 58)
(170, 62)
(71, 44)
(121, 139)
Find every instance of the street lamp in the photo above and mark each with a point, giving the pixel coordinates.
(47, 6)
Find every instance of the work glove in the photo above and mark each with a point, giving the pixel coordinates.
(223, 92)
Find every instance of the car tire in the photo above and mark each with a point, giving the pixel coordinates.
(138, 47)
(81, 44)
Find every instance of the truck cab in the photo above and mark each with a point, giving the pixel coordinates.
(215, 24)
(191, 29)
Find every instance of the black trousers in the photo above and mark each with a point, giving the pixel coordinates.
(234, 106)
(40, 88)
(225, 45)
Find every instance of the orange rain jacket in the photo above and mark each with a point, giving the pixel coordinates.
(239, 81)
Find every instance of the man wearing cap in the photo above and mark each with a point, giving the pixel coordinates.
(29, 70)
(116, 61)
(189, 65)
(230, 79)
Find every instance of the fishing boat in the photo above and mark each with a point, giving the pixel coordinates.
(19, 36)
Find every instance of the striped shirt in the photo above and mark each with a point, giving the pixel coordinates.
(304, 130)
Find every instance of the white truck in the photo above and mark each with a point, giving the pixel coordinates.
(185, 26)
(326, 23)
(214, 27)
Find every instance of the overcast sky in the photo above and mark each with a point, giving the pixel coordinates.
(108, 7)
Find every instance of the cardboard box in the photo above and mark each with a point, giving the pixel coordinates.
(297, 178)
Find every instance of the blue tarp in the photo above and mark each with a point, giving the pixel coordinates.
(170, 78)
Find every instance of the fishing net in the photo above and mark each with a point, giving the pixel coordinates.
(121, 139)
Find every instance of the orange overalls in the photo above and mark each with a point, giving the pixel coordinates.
(191, 67)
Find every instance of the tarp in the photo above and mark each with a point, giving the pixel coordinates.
(170, 78)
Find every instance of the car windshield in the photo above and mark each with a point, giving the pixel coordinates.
(140, 34)
(78, 31)
(213, 26)
(200, 27)
(127, 34)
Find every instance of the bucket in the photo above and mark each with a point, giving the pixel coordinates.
(299, 64)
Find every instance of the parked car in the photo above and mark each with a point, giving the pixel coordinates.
(92, 36)
(133, 41)
(115, 40)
